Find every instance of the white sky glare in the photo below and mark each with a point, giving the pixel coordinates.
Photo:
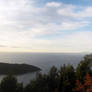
(28, 26)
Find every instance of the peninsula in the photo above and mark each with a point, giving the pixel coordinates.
(17, 69)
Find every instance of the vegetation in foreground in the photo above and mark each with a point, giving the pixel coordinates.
(66, 79)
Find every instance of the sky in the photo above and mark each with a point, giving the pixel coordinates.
(46, 26)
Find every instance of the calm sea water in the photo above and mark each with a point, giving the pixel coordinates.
(41, 60)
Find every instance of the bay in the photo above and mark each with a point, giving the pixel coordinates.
(42, 60)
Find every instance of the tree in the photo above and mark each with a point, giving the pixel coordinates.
(8, 84)
(67, 78)
(19, 87)
(88, 83)
(40, 84)
(79, 87)
(44, 82)
(82, 68)
(84, 87)
(53, 79)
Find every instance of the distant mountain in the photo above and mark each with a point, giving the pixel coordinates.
(17, 69)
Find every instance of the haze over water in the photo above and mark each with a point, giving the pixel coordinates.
(42, 60)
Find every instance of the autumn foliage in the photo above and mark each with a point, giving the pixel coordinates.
(86, 86)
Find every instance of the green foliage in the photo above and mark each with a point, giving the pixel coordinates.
(53, 79)
(82, 68)
(40, 84)
(19, 87)
(67, 78)
(53, 72)
(62, 80)
(9, 84)
(43, 82)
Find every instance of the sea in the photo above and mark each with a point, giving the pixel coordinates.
(42, 60)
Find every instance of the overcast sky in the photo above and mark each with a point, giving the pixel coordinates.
(46, 25)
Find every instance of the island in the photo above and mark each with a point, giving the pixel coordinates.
(17, 69)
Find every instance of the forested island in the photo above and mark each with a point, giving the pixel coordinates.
(17, 69)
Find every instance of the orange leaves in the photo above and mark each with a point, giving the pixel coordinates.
(84, 87)
(87, 80)
(79, 87)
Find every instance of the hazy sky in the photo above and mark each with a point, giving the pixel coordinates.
(46, 25)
